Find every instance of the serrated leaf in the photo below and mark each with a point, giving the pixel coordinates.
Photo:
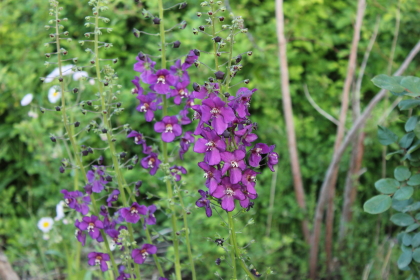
(377, 204)
(411, 123)
(408, 104)
(402, 219)
(387, 185)
(404, 193)
(416, 255)
(415, 242)
(401, 173)
(389, 83)
(406, 141)
(405, 259)
(386, 136)
(412, 84)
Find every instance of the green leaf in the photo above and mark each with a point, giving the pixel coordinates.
(377, 204)
(386, 136)
(387, 185)
(400, 205)
(416, 255)
(411, 123)
(407, 239)
(389, 155)
(408, 104)
(413, 148)
(412, 84)
(412, 227)
(415, 242)
(406, 141)
(389, 83)
(401, 173)
(402, 219)
(417, 130)
(412, 207)
(414, 180)
(404, 193)
(405, 259)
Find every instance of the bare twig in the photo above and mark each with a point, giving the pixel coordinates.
(271, 205)
(288, 115)
(319, 109)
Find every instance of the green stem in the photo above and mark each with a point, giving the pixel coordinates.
(216, 59)
(235, 245)
(149, 240)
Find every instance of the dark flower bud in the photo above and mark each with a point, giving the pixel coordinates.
(183, 24)
(141, 56)
(76, 124)
(196, 87)
(104, 112)
(226, 134)
(101, 160)
(115, 60)
(135, 159)
(199, 14)
(136, 33)
(254, 126)
(238, 58)
(196, 52)
(58, 108)
(206, 84)
(221, 18)
(89, 103)
(195, 32)
(60, 79)
(84, 112)
(90, 151)
(218, 53)
(138, 184)
(122, 155)
(201, 27)
(47, 55)
(197, 63)
(218, 261)
(92, 61)
(66, 33)
(83, 146)
(226, 94)
(210, 13)
(85, 152)
(176, 44)
(183, 5)
(118, 104)
(246, 81)
(129, 167)
(249, 53)
(65, 162)
(104, 130)
(108, 178)
(113, 139)
(217, 39)
(211, 80)
(53, 139)
(156, 20)
(255, 273)
(219, 75)
(75, 90)
(42, 110)
(62, 169)
(177, 233)
(106, 84)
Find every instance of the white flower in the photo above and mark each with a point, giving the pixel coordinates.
(54, 94)
(92, 82)
(27, 99)
(79, 74)
(45, 224)
(60, 211)
(66, 70)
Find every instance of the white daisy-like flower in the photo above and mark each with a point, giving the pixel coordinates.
(54, 94)
(79, 74)
(45, 224)
(27, 99)
(66, 70)
(60, 211)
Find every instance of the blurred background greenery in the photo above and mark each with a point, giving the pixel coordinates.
(319, 33)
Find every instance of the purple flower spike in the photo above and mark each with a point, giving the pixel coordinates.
(138, 137)
(176, 171)
(214, 109)
(148, 105)
(255, 158)
(212, 145)
(150, 217)
(234, 162)
(99, 259)
(151, 162)
(169, 128)
(140, 255)
(80, 235)
(161, 81)
(273, 158)
(132, 214)
(97, 179)
(228, 192)
(212, 175)
(180, 92)
(112, 197)
(93, 225)
(77, 201)
(204, 202)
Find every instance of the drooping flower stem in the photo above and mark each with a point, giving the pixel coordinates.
(165, 150)
(235, 245)
(108, 127)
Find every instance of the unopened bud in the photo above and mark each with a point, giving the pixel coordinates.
(196, 87)
(183, 5)
(238, 58)
(249, 53)
(129, 167)
(123, 155)
(196, 52)
(53, 139)
(211, 80)
(108, 178)
(199, 14)
(58, 108)
(101, 160)
(219, 75)
(115, 60)
(246, 81)
(201, 27)
(75, 90)
(76, 124)
(176, 44)
(156, 20)
(221, 18)
(118, 104)
(136, 33)
(104, 130)
(62, 169)
(60, 79)
(183, 24)
(195, 32)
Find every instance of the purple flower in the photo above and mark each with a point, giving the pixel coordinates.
(178, 70)
(122, 275)
(77, 201)
(246, 202)
(255, 158)
(189, 60)
(212, 145)
(144, 66)
(80, 235)
(245, 136)
(212, 175)
(96, 178)
(180, 91)
(240, 103)
(99, 259)
(228, 192)
(140, 255)
(104, 211)
(197, 116)
(215, 110)
(185, 143)
(273, 158)
(138, 89)
(148, 105)
(112, 197)
(150, 217)
(204, 202)
(169, 128)
(161, 81)
(234, 162)
(248, 180)
(176, 170)
(132, 214)
(151, 162)
(93, 225)
(184, 119)
(138, 137)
